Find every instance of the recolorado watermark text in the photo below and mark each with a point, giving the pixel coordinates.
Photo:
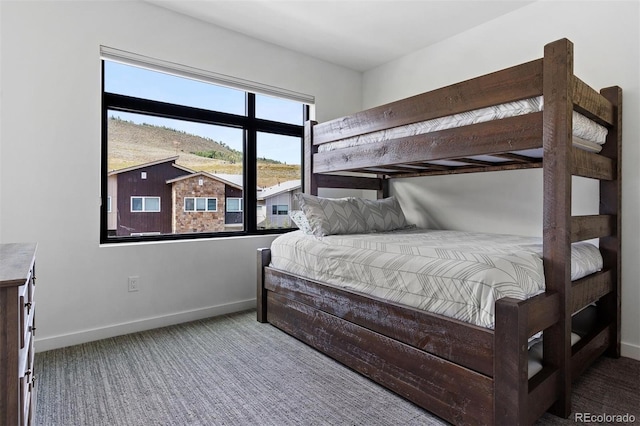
(604, 418)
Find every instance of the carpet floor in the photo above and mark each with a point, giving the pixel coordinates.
(232, 370)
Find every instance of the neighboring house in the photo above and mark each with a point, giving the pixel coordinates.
(275, 203)
(140, 199)
(204, 203)
(162, 197)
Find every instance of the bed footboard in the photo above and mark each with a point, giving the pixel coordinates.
(518, 399)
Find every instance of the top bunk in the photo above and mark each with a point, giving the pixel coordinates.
(509, 119)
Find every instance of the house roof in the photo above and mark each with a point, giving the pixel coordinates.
(208, 175)
(238, 180)
(149, 164)
(290, 185)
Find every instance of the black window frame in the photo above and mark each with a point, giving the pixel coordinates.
(249, 123)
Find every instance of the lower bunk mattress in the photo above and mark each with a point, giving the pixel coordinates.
(452, 273)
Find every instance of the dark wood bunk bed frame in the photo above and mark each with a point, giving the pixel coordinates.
(460, 372)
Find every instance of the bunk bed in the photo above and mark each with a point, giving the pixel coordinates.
(462, 372)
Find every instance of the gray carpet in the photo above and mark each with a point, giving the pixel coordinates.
(232, 370)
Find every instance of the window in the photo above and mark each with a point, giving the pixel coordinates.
(145, 204)
(234, 205)
(279, 209)
(164, 122)
(200, 204)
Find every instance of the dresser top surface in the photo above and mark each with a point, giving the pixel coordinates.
(16, 261)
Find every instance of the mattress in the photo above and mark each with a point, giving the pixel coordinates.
(452, 273)
(588, 134)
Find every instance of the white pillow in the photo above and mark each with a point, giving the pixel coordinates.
(330, 216)
(298, 217)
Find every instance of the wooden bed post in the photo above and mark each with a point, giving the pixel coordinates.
(383, 192)
(310, 182)
(610, 204)
(264, 258)
(510, 380)
(557, 145)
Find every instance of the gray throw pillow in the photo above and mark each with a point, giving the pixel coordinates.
(383, 215)
(330, 216)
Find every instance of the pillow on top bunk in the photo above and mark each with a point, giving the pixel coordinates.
(330, 216)
(383, 215)
(298, 217)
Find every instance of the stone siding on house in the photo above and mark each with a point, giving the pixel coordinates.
(198, 221)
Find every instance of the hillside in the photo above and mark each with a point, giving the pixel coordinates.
(131, 144)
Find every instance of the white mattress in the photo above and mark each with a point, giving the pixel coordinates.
(588, 134)
(452, 273)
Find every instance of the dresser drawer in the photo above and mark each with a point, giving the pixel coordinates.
(27, 385)
(27, 306)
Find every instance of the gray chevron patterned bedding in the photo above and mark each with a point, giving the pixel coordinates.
(588, 134)
(453, 273)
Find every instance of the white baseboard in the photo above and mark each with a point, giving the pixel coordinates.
(628, 350)
(64, 340)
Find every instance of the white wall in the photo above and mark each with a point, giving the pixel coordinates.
(50, 164)
(606, 47)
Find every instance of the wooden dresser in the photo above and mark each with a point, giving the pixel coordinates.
(17, 380)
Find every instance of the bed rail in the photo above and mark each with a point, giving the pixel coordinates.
(511, 84)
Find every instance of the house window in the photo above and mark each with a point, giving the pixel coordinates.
(279, 209)
(175, 121)
(234, 205)
(145, 204)
(200, 204)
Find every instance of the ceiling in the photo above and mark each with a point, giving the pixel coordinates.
(357, 34)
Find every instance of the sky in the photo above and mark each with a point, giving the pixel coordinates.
(142, 83)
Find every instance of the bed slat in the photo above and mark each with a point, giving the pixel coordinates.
(590, 165)
(453, 392)
(353, 182)
(591, 288)
(591, 103)
(589, 349)
(542, 311)
(468, 169)
(592, 226)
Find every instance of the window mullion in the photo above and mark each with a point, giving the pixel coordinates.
(250, 167)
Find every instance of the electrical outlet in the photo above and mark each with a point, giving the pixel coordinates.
(134, 283)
